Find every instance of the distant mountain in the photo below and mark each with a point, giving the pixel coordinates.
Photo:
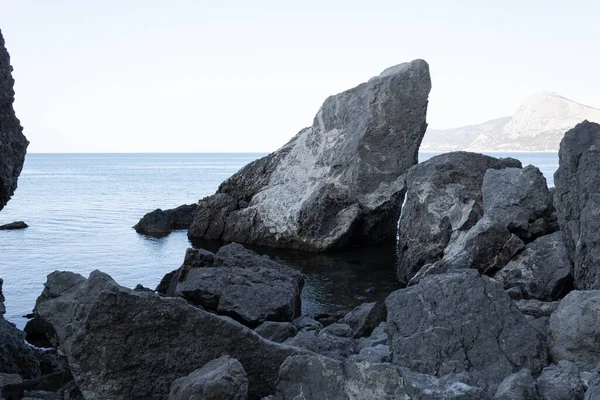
(538, 125)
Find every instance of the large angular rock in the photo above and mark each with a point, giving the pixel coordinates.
(13, 144)
(443, 196)
(239, 283)
(338, 181)
(334, 341)
(575, 329)
(577, 201)
(518, 386)
(560, 382)
(159, 222)
(365, 318)
(541, 271)
(462, 322)
(223, 378)
(133, 344)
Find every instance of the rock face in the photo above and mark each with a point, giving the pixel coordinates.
(223, 378)
(338, 181)
(159, 222)
(133, 344)
(541, 271)
(518, 386)
(13, 144)
(577, 201)
(575, 329)
(239, 283)
(443, 198)
(462, 322)
(560, 382)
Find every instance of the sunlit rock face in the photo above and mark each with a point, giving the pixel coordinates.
(13, 144)
(336, 182)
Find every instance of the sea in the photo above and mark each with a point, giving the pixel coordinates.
(80, 209)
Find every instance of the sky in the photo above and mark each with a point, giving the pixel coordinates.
(246, 76)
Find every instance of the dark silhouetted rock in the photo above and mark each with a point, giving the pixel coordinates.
(126, 344)
(560, 382)
(223, 378)
(462, 322)
(276, 331)
(541, 271)
(575, 329)
(339, 181)
(577, 201)
(518, 386)
(13, 144)
(13, 226)
(443, 197)
(364, 318)
(160, 223)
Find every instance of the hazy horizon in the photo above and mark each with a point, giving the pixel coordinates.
(199, 77)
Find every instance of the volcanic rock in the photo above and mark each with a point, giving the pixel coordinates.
(339, 181)
(13, 226)
(159, 222)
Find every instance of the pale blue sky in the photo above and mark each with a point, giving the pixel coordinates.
(200, 76)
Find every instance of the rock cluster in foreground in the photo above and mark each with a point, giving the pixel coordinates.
(13, 144)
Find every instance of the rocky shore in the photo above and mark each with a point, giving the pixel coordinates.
(500, 294)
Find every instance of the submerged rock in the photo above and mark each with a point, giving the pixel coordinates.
(126, 344)
(577, 201)
(13, 144)
(462, 322)
(13, 226)
(159, 222)
(339, 181)
(443, 197)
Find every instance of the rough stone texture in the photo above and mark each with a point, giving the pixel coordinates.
(536, 308)
(518, 386)
(364, 318)
(276, 331)
(126, 344)
(219, 379)
(13, 144)
(159, 222)
(378, 336)
(241, 284)
(593, 385)
(307, 323)
(334, 341)
(560, 382)
(575, 329)
(443, 196)
(337, 182)
(462, 322)
(577, 201)
(14, 226)
(310, 377)
(541, 271)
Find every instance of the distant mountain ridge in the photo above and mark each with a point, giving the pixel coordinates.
(538, 125)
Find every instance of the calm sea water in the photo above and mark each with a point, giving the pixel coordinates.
(81, 207)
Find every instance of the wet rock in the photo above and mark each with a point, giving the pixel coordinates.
(222, 378)
(541, 271)
(443, 197)
(123, 344)
(560, 382)
(336, 182)
(575, 329)
(462, 322)
(13, 144)
(13, 226)
(241, 284)
(276, 331)
(577, 201)
(518, 386)
(364, 318)
(160, 223)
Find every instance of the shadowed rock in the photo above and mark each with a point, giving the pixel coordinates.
(339, 181)
(13, 226)
(13, 144)
(160, 223)
(577, 201)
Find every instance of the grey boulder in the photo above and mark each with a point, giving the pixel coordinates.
(518, 386)
(219, 379)
(130, 344)
(462, 322)
(159, 222)
(560, 382)
(338, 181)
(13, 144)
(276, 331)
(577, 201)
(334, 341)
(443, 197)
(365, 318)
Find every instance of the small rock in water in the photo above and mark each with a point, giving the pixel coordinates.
(13, 226)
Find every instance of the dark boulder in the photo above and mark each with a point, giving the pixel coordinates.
(14, 226)
(160, 223)
(577, 201)
(337, 182)
(276, 331)
(560, 382)
(13, 144)
(518, 386)
(364, 318)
